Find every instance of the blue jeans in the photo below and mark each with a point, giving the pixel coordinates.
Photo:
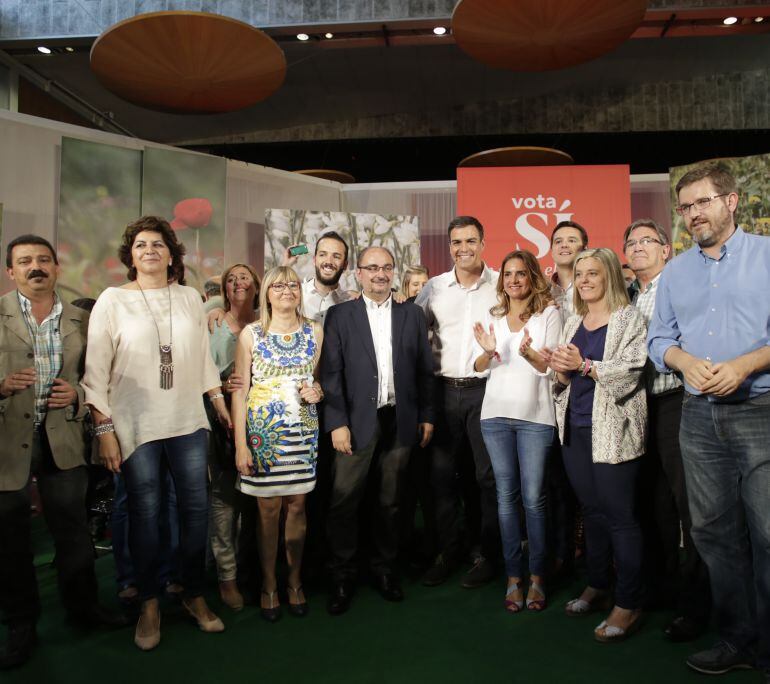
(726, 454)
(186, 457)
(519, 453)
(168, 570)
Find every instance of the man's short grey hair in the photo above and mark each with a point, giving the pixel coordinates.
(663, 235)
(366, 249)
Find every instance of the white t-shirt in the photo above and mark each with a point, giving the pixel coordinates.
(515, 389)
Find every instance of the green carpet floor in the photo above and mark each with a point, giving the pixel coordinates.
(444, 634)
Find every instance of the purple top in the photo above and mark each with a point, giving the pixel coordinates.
(581, 390)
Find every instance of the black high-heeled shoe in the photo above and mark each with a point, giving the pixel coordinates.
(297, 609)
(273, 613)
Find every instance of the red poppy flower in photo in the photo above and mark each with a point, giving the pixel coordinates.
(193, 212)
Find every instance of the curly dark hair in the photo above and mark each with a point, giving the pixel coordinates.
(540, 294)
(154, 224)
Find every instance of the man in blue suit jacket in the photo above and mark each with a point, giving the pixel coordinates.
(376, 371)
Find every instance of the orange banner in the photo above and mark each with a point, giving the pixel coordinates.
(519, 207)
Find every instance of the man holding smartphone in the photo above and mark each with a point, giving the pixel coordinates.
(330, 261)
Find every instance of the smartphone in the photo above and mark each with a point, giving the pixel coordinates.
(296, 250)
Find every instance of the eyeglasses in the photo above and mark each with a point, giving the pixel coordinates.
(292, 286)
(699, 204)
(644, 242)
(373, 268)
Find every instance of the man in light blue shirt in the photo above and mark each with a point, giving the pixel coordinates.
(711, 324)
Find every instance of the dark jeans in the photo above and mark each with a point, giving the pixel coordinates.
(186, 457)
(607, 494)
(726, 454)
(458, 448)
(385, 460)
(561, 504)
(168, 570)
(63, 495)
(664, 511)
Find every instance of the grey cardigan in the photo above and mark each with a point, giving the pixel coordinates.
(619, 414)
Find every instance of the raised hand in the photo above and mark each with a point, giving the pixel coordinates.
(487, 340)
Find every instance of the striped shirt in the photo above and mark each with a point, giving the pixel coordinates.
(47, 346)
(644, 300)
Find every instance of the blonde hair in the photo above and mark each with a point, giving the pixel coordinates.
(540, 292)
(279, 274)
(615, 294)
(409, 273)
(254, 276)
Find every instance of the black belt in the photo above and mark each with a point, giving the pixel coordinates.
(464, 382)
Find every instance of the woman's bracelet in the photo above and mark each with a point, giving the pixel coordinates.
(585, 367)
(104, 428)
(217, 395)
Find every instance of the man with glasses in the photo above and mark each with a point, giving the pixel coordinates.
(664, 505)
(376, 370)
(711, 324)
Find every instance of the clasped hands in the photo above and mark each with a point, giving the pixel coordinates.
(62, 393)
(719, 379)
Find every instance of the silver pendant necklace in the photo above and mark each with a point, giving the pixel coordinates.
(166, 361)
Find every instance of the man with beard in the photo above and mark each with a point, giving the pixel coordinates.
(711, 324)
(42, 353)
(323, 291)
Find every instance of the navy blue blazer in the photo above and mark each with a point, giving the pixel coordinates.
(349, 378)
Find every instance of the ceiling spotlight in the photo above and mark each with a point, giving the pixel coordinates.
(329, 35)
(70, 49)
(729, 21)
(303, 36)
(758, 20)
(44, 50)
(439, 30)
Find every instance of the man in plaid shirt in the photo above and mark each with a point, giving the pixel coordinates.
(664, 504)
(42, 351)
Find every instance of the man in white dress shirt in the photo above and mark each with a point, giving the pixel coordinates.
(453, 302)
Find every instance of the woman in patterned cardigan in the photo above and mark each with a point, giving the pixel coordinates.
(601, 413)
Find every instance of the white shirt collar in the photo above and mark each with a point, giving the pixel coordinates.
(374, 306)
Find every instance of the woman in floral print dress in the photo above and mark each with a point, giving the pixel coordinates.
(276, 427)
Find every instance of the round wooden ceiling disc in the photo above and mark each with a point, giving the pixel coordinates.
(328, 174)
(518, 156)
(188, 62)
(539, 35)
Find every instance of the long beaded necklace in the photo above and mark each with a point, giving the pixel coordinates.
(166, 361)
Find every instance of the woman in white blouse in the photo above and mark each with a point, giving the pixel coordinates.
(147, 366)
(517, 416)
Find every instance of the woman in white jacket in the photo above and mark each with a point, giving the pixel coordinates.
(601, 413)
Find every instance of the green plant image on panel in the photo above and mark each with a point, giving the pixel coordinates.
(284, 227)
(100, 193)
(189, 190)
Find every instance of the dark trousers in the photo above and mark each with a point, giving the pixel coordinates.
(561, 505)
(458, 449)
(664, 512)
(385, 460)
(63, 495)
(607, 494)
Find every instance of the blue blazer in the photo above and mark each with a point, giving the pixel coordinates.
(349, 378)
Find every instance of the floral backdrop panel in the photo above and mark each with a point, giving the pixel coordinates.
(99, 194)
(285, 227)
(189, 190)
(753, 214)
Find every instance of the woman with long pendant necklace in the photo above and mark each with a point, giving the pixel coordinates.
(147, 367)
